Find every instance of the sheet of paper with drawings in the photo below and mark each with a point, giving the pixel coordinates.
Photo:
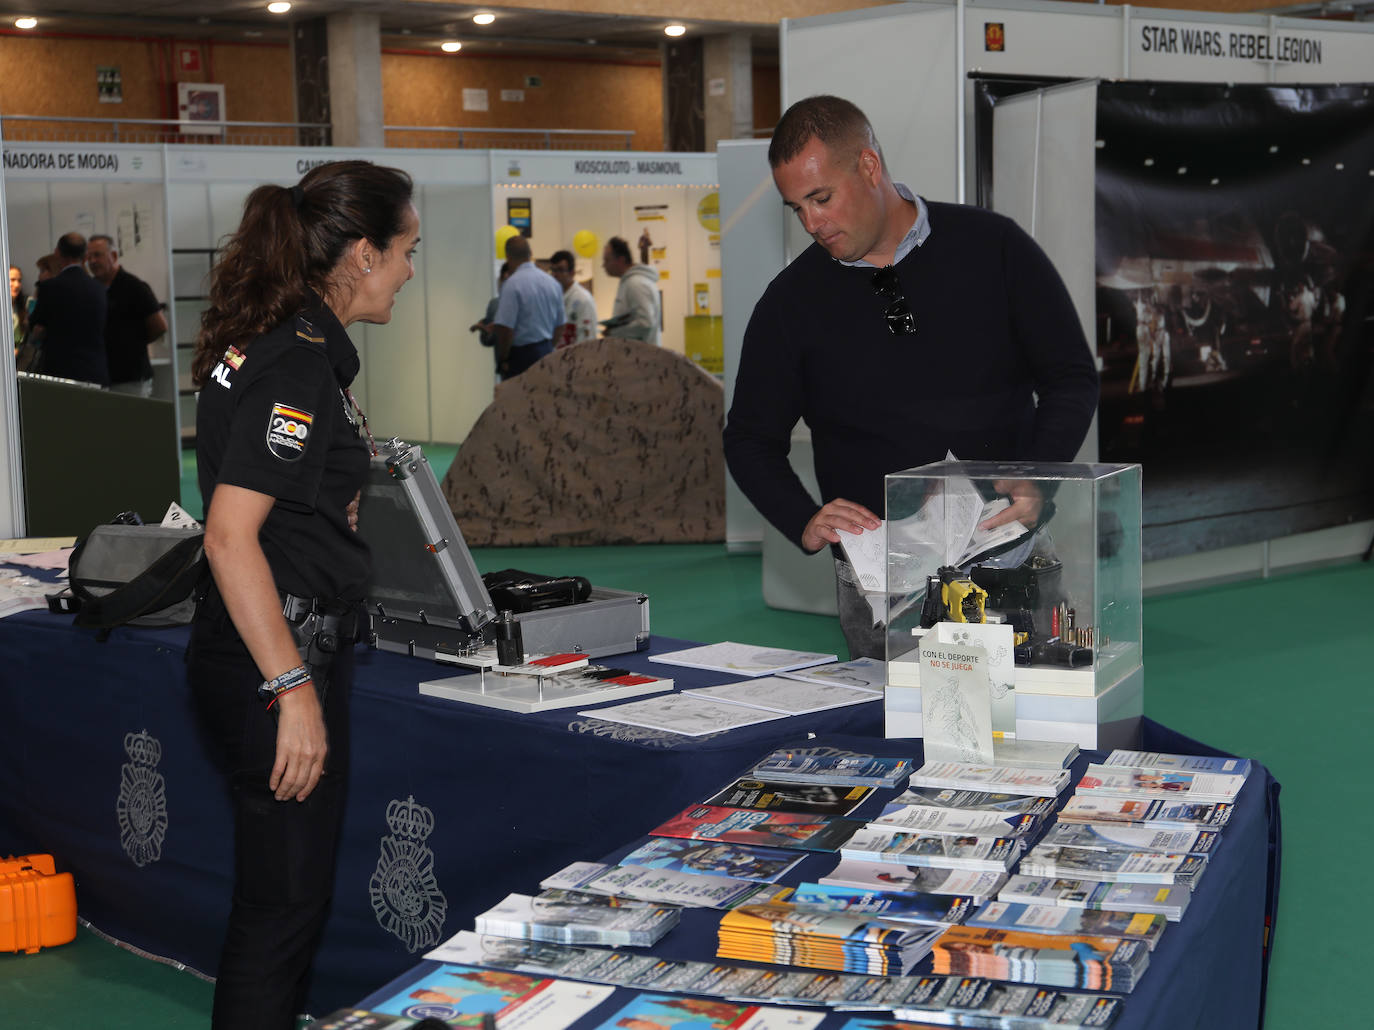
(956, 702)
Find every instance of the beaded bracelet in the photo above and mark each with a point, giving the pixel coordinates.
(270, 690)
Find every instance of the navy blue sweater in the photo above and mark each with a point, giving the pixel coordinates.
(995, 331)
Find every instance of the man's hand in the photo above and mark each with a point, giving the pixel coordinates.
(352, 511)
(302, 743)
(836, 515)
(1026, 504)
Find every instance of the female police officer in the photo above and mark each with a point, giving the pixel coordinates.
(281, 464)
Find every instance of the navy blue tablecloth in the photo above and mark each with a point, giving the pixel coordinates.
(1208, 971)
(451, 807)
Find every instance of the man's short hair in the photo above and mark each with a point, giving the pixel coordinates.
(518, 249)
(836, 122)
(101, 236)
(620, 249)
(563, 257)
(71, 246)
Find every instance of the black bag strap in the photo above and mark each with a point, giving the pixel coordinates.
(165, 582)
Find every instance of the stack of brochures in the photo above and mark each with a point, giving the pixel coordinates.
(885, 876)
(1161, 783)
(953, 1001)
(1130, 844)
(766, 829)
(575, 917)
(660, 886)
(894, 906)
(1008, 779)
(1095, 963)
(799, 766)
(932, 850)
(1170, 901)
(797, 935)
(1051, 919)
(967, 1001)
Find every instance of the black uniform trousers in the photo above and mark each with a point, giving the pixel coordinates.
(284, 851)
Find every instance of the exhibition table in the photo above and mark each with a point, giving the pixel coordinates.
(450, 806)
(1207, 971)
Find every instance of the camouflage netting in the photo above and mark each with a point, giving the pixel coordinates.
(607, 442)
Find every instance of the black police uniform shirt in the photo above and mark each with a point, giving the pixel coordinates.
(273, 418)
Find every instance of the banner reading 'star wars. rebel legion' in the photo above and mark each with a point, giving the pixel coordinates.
(1235, 306)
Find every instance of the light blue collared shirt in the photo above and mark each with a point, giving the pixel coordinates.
(915, 236)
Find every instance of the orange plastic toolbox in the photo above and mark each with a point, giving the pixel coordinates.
(37, 904)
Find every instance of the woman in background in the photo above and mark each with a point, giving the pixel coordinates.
(281, 464)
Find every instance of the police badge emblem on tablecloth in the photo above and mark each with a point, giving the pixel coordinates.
(404, 890)
(142, 804)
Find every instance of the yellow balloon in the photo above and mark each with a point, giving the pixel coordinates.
(502, 235)
(585, 242)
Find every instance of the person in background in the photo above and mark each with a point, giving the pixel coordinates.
(637, 313)
(908, 330)
(69, 317)
(484, 328)
(133, 319)
(19, 306)
(578, 306)
(529, 315)
(282, 460)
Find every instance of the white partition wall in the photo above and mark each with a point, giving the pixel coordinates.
(898, 64)
(1043, 178)
(909, 65)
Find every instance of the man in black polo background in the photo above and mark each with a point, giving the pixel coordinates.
(133, 319)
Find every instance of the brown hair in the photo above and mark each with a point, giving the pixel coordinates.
(290, 243)
(834, 121)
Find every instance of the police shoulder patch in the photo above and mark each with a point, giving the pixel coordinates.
(288, 431)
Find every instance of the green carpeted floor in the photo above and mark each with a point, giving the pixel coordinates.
(1266, 669)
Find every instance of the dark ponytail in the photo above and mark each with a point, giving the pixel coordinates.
(290, 243)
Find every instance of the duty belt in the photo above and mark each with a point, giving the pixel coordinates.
(320, 626)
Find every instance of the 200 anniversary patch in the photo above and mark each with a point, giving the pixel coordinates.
(288, 429)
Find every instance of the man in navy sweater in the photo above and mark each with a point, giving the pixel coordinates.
(908, 330)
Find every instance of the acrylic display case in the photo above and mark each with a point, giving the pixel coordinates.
(1064, 571)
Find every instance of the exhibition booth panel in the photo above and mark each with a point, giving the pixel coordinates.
(578, 200)
(424, 376)
(955, 131)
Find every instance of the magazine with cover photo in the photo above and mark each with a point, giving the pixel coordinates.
(461, 995)
(714, 858)
(1169, 900)
(1054, 919)
(1146, 812)
(985, 854)
(971, 800)
(884, 876)
(781, 796)
(1107, 837)
(766, 829)
(664, 1012)
(1115, 866)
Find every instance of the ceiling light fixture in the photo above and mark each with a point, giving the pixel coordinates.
(26, 23)
(279, 7)
(483, 18)
(674, 30)
(451, 46)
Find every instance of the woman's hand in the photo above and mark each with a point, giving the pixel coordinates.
(302, 743)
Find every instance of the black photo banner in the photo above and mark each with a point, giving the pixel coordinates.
(1235, 306)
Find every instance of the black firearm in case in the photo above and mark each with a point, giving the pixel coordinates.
(516, 591)
(426, 597)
